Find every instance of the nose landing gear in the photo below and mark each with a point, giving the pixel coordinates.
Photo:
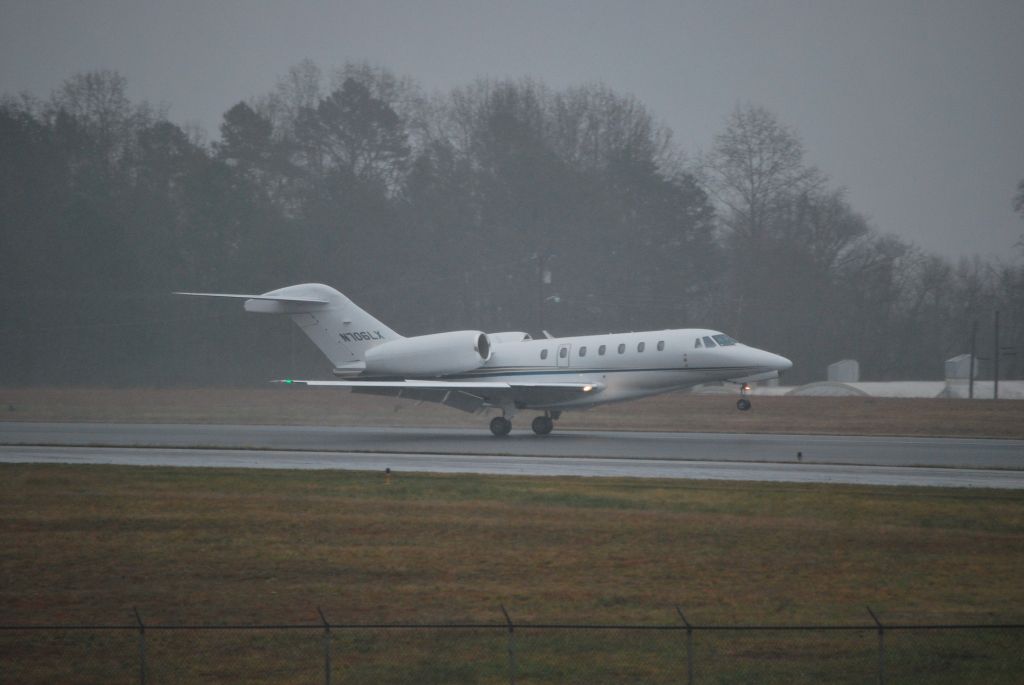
(743, 404)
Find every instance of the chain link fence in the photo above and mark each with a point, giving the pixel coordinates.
(509, 652)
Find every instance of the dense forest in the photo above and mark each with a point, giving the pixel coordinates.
(501, 205)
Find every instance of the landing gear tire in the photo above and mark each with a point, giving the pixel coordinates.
(542, 425)
(500, 426)
(743, 404)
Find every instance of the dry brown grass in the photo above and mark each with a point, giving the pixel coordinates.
(673, 412)
(84, 544)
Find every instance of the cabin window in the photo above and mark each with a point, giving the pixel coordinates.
(600, 350)
(543, 354)
(696, 343)
(724, 340)
(661, 345)
(708, 342)
(583, 351)
(564, 352)
(640, 347)
(622, 348)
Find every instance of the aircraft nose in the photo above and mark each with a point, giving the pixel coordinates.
(769, 361)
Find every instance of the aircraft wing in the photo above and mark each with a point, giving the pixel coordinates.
(469, 396)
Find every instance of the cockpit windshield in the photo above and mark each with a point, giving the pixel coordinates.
(719, 339)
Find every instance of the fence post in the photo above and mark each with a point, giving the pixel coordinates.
(142, 647)
(511, 647)
(689, 646)
(327, 647)
(881, 648)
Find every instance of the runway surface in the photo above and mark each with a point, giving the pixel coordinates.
(788, 458)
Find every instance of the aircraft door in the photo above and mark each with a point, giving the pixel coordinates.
(564, 354)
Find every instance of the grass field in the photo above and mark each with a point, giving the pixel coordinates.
(672, 412)
(86, 543)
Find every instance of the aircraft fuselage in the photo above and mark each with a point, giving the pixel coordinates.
(624, 365)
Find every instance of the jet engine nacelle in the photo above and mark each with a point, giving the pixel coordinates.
(430, 355)
(508, 336)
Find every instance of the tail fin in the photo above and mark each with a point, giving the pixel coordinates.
(341, 330)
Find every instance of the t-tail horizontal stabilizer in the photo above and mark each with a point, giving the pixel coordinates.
(342, 331)
(266, 298)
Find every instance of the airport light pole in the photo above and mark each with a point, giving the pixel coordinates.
(543, 278)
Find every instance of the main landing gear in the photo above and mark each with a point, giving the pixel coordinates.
(743, 404)
(500, 426)
(541, 425)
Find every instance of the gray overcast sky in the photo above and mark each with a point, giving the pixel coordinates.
(917, 108)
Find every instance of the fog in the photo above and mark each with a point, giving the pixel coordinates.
(914, 107)
(429, 159)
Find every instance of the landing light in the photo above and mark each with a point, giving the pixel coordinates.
(587, 388)
(745, 387)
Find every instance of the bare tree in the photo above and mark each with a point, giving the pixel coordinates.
(756, 172)
(356, 133)
(97, 101)
(1018, 206)
(401, 94)
(300, 89)
(753, 165)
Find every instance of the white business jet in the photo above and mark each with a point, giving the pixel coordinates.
(473, 370)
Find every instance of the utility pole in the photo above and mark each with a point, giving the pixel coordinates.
(974, 341)
(995, 359)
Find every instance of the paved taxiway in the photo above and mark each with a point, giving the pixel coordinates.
(871, 460)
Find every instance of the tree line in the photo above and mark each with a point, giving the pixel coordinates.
(501, 205)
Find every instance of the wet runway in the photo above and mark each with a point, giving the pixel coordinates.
(780, 458)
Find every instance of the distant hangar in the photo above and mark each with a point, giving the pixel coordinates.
(844, 381)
